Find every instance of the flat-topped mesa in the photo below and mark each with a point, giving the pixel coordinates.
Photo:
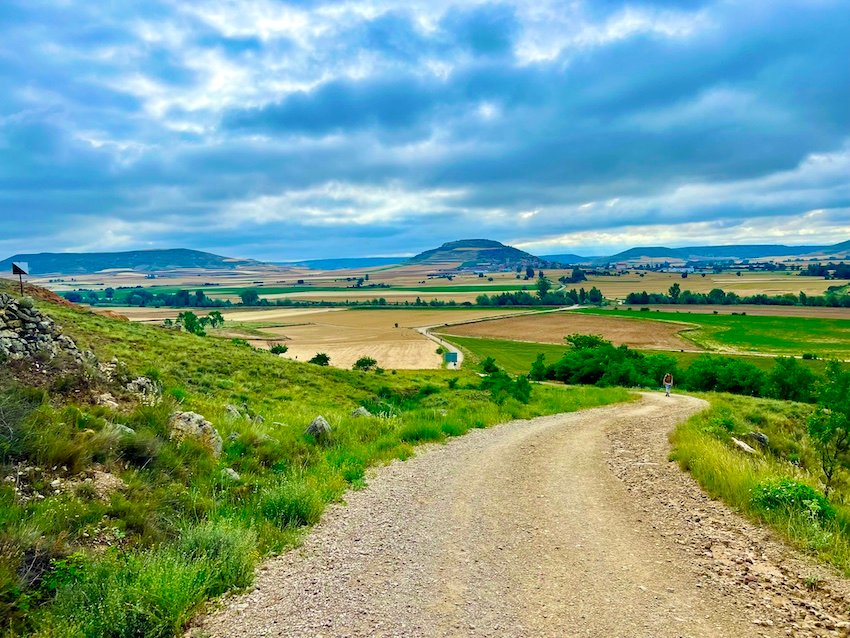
(28, 334)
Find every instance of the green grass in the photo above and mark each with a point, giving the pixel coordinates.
(517, 356)
(702, 446)
(142, 560)
(750, 333)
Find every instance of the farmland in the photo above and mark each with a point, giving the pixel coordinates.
(406, 283)
(553, 327)
(751, 334)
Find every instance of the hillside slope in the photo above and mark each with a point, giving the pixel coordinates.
(141, 260)
(124, 512)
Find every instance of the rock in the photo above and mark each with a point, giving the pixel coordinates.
(232, 410)
(233, 436)
(146, 390)
(759, 438)
(105, 484)
(119, 429)
(257, 418)
(743, 446)
(230, 474)
(191, 425)
(319, 428)
(361, 411)
(106, 400)
(28, 334)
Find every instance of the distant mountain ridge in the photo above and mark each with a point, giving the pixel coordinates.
(476, 252)
(140, 260)
(740, 251)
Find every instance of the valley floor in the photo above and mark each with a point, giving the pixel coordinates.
(573, 524)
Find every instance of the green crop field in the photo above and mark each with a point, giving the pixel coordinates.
(749, 333)
(517, 356)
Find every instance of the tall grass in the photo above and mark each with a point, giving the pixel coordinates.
(702, 446)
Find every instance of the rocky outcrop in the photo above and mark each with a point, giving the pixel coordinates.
(191, 425)
(319, 428)
(145, 390)
(361, 412)
(27, 333)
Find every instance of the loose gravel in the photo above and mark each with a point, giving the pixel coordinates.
(567, 525)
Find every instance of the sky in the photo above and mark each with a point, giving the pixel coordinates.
(296, 130)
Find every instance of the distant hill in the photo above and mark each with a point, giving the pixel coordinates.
(141, 260)
(743, 251)
(471, 253)
(344, 263)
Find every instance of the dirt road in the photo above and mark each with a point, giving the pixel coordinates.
(569, 525)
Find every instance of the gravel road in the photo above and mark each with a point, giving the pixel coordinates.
(567, 525)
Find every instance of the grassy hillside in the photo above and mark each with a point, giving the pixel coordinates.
(742, 333)
(139, 558)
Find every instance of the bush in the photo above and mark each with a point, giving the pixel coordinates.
(365, 364)
(791, 381)
(278, 348)
(488, 366)
(321, 359)
(793, 497)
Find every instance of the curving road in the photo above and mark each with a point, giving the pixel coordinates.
(549, 527)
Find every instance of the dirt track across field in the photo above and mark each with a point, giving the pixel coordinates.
(568, 525)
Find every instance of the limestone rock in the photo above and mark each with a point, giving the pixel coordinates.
(361, 411)
(230, 474)
(759, 438)
(319, 428)
(743, 446)
(106, 400)
(146, 390)
(191, 425)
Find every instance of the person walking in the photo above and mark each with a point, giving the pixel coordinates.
(668, 383)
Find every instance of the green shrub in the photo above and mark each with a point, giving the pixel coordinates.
(321, 359)
(365, 364)
(793, 496)
(278, 348)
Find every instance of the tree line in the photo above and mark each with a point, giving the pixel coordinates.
(717, 296)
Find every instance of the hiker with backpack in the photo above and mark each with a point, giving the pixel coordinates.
(668, 383)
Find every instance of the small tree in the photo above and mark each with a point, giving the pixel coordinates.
(321, 359)
(488, 366)
(543, 287)
(109, 293)
(190, 323)
(538, 368)
(249, 297)
(215, 319)
(278, 348)
(529, 272)
(674, 292)
(365, 364)
(829, 426)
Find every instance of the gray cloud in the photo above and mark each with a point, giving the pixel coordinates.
(284, 131)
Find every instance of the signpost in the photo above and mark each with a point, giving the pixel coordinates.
(20, 269)
(451, 357)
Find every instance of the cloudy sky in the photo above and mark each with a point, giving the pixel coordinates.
(290, 130)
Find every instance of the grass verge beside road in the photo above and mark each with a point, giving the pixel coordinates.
(779, 485)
